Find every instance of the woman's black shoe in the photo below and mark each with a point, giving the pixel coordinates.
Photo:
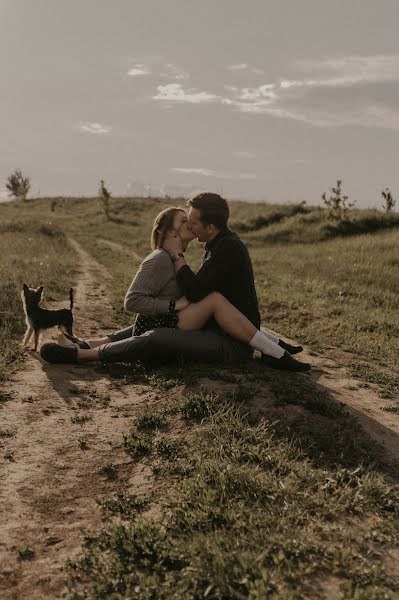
(285, 363)
(75, 340)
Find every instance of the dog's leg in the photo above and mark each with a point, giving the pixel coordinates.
(70, 326)
(37, 336)
(27, 336)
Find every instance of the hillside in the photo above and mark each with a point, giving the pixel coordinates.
(193, 481)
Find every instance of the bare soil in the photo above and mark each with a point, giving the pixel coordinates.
(49, 483)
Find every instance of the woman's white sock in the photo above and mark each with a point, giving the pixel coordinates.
(266, 346)
(269, 335)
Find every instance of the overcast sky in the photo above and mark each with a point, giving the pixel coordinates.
(258, 99)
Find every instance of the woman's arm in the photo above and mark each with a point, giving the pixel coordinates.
(152, 277)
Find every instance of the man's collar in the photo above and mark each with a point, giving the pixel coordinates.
(209, 245)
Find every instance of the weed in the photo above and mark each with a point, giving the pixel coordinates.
(388, 384)
(197, 407)
(81, 419)
(150, 419)
(137, 444)
(169, 449)
(109, 471)
(124, 505)
(91, 395)
(161, 383)
(10, 456)
(28, 399)
(6, 433)
(26, 553)
(5, 397)
(83, 445)
(392, 409)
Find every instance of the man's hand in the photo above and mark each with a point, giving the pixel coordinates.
(182, 303)
(173, 245)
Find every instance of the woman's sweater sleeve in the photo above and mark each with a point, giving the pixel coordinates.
(151, 277)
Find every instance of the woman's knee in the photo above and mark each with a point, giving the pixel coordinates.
(215, 297)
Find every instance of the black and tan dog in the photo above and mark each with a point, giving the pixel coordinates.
(38, 318)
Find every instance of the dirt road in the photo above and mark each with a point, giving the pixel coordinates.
(50, 477)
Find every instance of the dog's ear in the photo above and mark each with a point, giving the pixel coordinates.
(25, 287)
(40, 289)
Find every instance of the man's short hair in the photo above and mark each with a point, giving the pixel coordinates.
(213, 209)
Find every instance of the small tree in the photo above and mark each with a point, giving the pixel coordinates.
(337, 203)
(389, 202)
(104, 197)
(18, 185)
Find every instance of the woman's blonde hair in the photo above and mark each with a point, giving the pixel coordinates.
(162, 223)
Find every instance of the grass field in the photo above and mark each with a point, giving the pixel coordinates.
(268, 489)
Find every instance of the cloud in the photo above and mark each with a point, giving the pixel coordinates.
(138, 69)
(174, 92)
(353, 90)
(211, 173)
(195, 171)
(244, 67)
(171, 70)
(238, 67)
(351, 70)
(330, 92)
(244, 154)
(95, 128)
(157, 66)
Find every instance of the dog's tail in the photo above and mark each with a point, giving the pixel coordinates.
(71, 297)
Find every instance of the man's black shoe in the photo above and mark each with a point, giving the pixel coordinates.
(53, 353)
(289, 348)
(285, 363)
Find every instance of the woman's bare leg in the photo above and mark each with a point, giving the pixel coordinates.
(88, 355)
(98, 342)
(228, 317)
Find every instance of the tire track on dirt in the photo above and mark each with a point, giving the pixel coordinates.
(364, 403)
(121, 248)
(48, 483)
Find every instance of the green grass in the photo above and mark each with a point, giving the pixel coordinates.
(271, 488)
(388, 384)
(323, 288)
(249, 516)
(33, 251)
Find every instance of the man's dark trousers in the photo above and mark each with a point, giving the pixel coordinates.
(205, 345)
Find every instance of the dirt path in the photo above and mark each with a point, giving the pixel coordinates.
(332, 373)
(120, 248)
(50, 479)
(363, 402)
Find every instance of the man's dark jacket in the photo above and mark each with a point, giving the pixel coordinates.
(226, 268)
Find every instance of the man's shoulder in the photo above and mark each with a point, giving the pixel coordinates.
(230, 240)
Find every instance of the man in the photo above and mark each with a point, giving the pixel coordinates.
(226, 268)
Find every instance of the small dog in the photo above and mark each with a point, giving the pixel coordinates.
(40, 318)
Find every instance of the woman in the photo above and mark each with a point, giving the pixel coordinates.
(158, 301)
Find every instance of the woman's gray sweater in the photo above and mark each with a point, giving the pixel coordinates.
(154, 285)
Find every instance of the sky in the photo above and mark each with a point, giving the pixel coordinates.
(264, 100)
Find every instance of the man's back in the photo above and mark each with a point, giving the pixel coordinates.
(227, 269)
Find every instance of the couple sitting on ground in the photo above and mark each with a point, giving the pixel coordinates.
(211, 316)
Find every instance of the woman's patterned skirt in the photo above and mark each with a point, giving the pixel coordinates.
(145, 323)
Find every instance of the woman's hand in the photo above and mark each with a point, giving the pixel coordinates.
(182, 303)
